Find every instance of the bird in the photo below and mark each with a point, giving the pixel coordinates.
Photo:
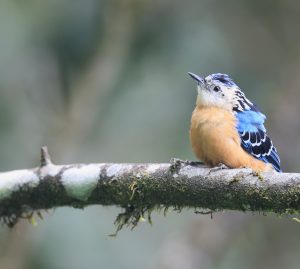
(228, 129)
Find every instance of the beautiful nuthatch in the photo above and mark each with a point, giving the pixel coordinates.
(227, 128)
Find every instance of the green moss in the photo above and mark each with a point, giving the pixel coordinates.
(131, 216)
(141, 194)
(296, 219)
(237, 178)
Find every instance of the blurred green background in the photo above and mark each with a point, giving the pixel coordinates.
(106, 81)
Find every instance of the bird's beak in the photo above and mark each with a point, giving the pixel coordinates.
(199, 80)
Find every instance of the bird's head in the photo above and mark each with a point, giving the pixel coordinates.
(218, 90)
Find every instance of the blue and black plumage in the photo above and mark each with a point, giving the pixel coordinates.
(254, 138)
(250, 123)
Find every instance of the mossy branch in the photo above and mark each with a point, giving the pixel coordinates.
(140, 188)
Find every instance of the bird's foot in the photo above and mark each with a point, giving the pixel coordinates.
(193, 163)
(176, 163)
(258, 173)
(220, 166)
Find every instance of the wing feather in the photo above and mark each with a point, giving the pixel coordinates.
(254, 139)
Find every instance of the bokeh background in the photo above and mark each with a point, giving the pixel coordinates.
(106, 81)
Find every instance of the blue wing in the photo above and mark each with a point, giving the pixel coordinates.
(254, 139)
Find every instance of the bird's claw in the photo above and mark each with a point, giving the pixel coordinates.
(258, 173)
(220, 166)
(179, 162)
(193, 163)
(176, 164)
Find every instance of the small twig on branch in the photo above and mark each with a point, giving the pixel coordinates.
(45, 157)
(141, 188)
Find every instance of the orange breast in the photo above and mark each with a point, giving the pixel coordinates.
(215, 140)
(211, 128)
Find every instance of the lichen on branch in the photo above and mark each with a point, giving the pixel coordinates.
(141, 188)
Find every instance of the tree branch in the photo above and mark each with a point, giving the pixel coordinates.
(140, 188)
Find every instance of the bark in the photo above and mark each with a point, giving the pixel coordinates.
(140, 188)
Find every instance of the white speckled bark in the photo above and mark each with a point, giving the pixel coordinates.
(146, 185)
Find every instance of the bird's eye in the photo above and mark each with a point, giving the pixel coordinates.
(217, 88)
